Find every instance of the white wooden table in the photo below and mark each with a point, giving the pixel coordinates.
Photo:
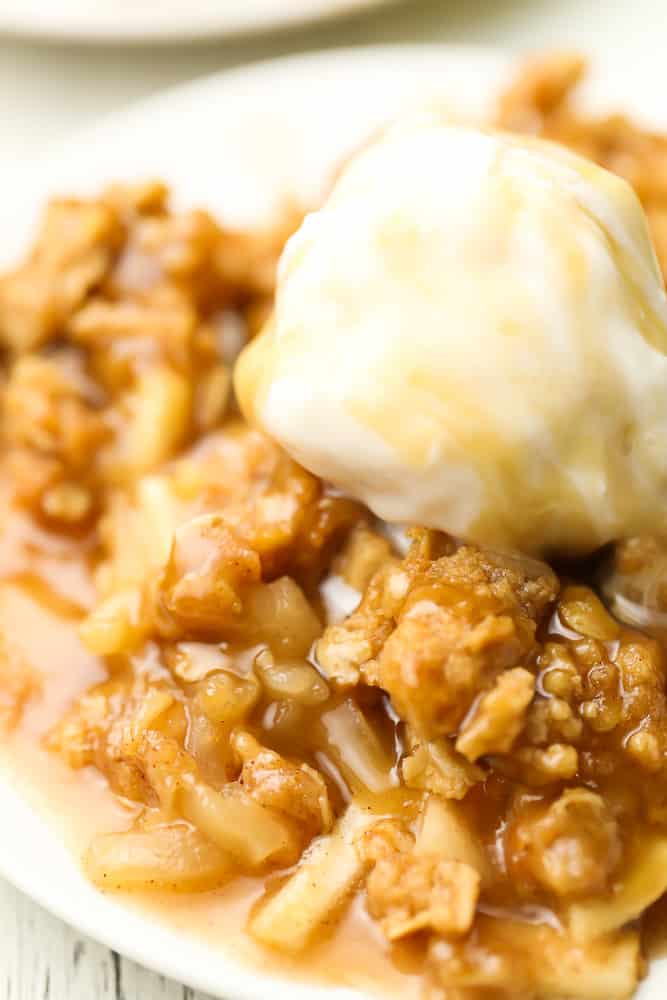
(43, 959)
(45, 93)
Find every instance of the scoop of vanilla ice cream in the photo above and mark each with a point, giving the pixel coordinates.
(471, 335)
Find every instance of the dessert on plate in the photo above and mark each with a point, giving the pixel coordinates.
(336, 585)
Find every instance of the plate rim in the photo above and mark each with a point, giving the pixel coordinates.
(82, 29)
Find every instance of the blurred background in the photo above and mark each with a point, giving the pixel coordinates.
(49, 87)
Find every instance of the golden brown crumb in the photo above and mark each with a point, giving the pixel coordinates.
(77, 245)
(410, 891)
(540, 89)
(438, 767)
(206, 574)
(435, 633)
(571, 847)
(363, 554)
(296, 790)
(495, 722)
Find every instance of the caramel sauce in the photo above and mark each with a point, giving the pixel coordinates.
(78, 804)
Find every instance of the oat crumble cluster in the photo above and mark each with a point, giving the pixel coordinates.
(479, 749)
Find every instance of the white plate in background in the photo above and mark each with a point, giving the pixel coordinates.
(239, 144)
(164, 20)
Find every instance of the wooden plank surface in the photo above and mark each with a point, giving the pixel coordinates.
(43, 959)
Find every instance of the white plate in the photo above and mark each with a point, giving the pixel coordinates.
(238, 143)
(163, 20)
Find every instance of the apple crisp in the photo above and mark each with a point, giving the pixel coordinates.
(468, 744)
